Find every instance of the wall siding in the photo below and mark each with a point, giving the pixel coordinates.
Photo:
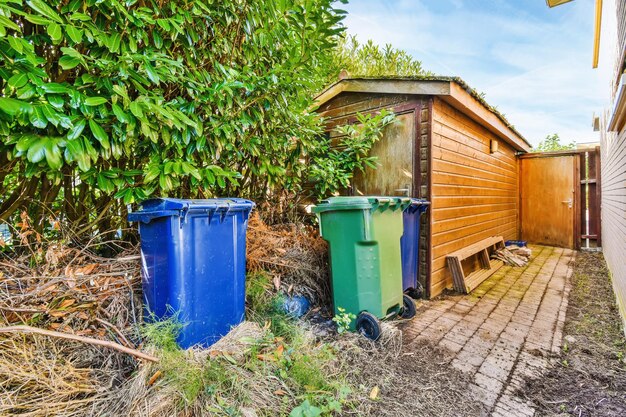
(613, 148)
(475, 193)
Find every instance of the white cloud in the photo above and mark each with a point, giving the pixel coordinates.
(534, 64)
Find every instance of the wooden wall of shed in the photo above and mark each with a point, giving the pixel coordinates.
(613, 167)
(474, 193)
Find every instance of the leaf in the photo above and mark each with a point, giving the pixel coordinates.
(12, 107)
(66, 303)
(152, 74)
(41, 7)
(18, 80)
(37, 151)
(119, 113)
(71, 52)
(16, 44)
(37, 20)
(114, 42)
(25, 142)
(52, 116)
(54, 88)
(99, 134)
(53, 154)
(374, 393)
(74, 33)
(56, 101)
(135, 108)
(68, 62)
(81, 17)
(76, 131)
(55, 32)
(37, 118)
(95, 101)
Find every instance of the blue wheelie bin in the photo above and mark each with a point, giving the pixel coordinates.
(193, 263)
(409, 244)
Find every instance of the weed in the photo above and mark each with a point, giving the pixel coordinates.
(185, 376)
(343, 320)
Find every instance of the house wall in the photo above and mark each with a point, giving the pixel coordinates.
(475, 194)
(613, 170)
(613, 148)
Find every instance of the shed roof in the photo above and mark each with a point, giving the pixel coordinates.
(453, 90)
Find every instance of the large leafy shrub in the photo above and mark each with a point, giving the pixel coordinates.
(106, 102)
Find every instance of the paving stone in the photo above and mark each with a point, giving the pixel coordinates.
(483, 395)
(504, 331)
(488, 383)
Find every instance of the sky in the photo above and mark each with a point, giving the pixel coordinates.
(532, 62)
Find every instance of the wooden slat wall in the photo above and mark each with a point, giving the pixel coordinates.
(613, 168)
(474, 193)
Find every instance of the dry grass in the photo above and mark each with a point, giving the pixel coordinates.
(295, 256)
(589, 376)
(71, 291)
(265, 367)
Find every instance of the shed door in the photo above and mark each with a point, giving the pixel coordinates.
(394, 151)
(549, 200)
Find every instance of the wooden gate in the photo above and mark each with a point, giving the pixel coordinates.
(559, 198)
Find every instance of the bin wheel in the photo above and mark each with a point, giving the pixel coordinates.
(416, 293)
(408, 309)
(368, 325)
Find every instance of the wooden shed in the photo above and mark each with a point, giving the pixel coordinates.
(447, 145)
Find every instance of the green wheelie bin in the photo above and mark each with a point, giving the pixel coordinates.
(364, 234)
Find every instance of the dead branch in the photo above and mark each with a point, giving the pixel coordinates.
(89, 340)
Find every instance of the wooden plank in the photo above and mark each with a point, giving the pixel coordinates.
(441, 238)
(476, 247)
(477, 278)
(444, 214)
(483, 255)
(445, 178)
(473, 190)
(443, 226)
(461, 164)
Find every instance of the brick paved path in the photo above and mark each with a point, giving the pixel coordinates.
(504, 330)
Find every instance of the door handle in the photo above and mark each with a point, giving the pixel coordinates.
(569, 202)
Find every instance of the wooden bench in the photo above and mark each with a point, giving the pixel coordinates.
(465, 284)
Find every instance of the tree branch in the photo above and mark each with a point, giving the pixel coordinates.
(89, 340)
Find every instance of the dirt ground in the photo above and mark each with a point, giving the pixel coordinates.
(588, 377)
(419, 382)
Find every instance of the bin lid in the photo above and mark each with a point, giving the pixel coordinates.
(418, 205)
(161, 207)
(362, 203)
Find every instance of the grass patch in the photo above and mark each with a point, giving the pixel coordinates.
(279, 370)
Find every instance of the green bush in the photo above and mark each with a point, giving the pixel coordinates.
(104, 103)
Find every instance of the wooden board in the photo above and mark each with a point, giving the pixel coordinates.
(548, 200)
(394, 152)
